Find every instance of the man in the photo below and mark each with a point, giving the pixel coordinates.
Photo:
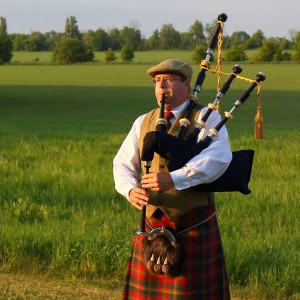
(171, 200)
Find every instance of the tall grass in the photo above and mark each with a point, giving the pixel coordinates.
(59, 214)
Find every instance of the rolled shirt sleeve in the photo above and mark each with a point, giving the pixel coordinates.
(126, 164)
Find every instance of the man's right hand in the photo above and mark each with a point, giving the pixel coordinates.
(138, 197)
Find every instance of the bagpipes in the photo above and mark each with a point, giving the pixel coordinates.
(160, 249)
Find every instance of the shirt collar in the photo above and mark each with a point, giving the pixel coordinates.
(179, 109)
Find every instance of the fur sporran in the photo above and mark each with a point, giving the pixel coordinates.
(161, 252)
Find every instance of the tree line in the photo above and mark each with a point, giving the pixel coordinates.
(165, 38)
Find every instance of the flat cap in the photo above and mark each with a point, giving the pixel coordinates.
(172, 66)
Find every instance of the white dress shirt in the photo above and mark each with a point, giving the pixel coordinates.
(205, 167)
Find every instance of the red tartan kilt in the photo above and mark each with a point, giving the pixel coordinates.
(203, 273)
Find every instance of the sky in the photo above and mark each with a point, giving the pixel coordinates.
(274, 17)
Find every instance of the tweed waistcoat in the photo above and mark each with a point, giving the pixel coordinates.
(172, 202)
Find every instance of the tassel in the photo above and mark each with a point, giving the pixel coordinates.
(218, 107)
(259, 122)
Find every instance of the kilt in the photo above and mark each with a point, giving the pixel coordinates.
(203, 274)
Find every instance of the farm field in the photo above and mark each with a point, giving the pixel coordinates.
(141, 57)
(60, 216)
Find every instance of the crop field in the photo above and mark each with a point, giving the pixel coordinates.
(60, 216)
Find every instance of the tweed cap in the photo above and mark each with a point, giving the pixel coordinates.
(172, 66)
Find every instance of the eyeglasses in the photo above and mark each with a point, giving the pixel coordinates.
(167, 79)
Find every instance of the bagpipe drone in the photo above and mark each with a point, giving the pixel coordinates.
(162, 253)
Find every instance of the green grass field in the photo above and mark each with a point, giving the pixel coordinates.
(59, 213)
(140, 57)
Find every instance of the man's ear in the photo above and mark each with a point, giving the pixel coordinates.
(187, 84)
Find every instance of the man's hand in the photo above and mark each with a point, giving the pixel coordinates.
(138, 197)
(158, 182)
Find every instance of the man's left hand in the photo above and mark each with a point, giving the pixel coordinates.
(158, 182)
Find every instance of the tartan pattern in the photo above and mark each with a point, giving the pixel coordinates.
(203, 274)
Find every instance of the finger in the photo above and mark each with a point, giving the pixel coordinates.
(138, 196)
(136, 205)
(150, 185)
(148, 176)
(156, 189)
(142, 192)
(139, 201)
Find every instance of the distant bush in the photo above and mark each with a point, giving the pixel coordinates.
(109, 55)
(126, 53)
(236, 53)
(271, 50)
(72, 50)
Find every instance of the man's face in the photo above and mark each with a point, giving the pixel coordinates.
(174, 87)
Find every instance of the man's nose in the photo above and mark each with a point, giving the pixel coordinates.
(162, 83)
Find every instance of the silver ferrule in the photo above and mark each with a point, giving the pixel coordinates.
(220, 95)
(147, 164)
(209, 51)
(238, 103)
(199, 126)
(211, 135)
(196, 90)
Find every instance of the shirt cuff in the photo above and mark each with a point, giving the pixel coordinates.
(180, 180)
(127, 189)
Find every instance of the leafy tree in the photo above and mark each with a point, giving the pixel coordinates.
(19, 41)
(88, 38)
(296, 56)
(126, 53)
(71, 28)
(6, 44)
(3, 26)
(101, 41)
(52, 38)
(199, 54)
(196, 33)
(185, 41)
(70, 50)
(256, 40)
(169, 37)
(284, 43)
(109, 55)
(239, 38)
(210, 29)
(131, 37)
(36, 42)
(6, 47)
(236, 53)
(154, 40)
(114, 35)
